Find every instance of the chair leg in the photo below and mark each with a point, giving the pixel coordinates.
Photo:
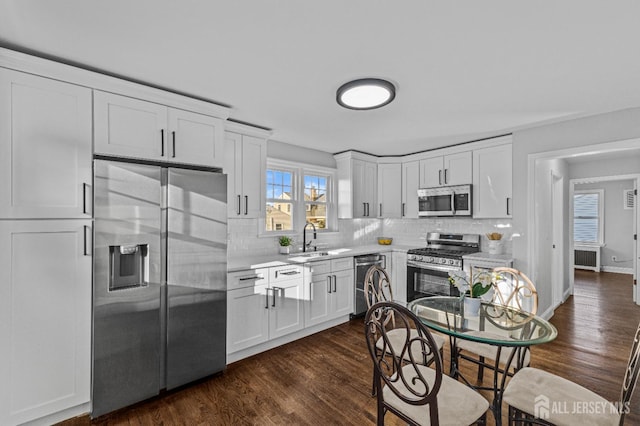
(481, 369)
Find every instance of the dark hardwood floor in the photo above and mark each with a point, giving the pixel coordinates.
(325, 379)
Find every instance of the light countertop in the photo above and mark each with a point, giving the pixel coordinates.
(487, 257)
(265, 261)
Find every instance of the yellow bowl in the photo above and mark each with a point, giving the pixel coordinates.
(384, 241)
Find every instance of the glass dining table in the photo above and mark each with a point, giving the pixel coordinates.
(507, 328)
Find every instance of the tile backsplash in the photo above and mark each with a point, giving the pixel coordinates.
(242, 234)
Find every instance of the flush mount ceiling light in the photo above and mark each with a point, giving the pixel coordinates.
(366, 93)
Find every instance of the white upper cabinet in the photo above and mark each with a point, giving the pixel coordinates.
(128, 127)
(245, 166)
(195, 138)
(45, 147)
(410, 184)
(357, 185)
(452, 169)
(389, 196)
(492, 182)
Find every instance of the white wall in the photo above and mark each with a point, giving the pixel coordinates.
(618, 224)
(598, 129)
(299, 154)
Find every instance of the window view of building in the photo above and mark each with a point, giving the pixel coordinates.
(315, 200)
(280, 200)
(289, 193)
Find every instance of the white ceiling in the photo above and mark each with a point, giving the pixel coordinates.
(464, 69)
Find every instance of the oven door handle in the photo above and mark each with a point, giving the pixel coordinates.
(441, 268)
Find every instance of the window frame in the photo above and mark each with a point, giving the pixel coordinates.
(298, 220)
(600, 234)
(292, 202)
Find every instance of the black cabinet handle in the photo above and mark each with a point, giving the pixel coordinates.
(173, 136)
(239, 202)
(246, 205)
(335, 288)
(445, 176)
(161, 142)
(266, 304)
(87, 237)
(439, 177)
(380, 209)
(403, 206)
(329, 284)
(364, 209)
(84, 198)
(274, 295)
(508, 210)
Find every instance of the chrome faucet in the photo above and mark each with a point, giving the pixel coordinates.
(306, 244)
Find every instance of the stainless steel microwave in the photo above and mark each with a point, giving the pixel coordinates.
(445, 201)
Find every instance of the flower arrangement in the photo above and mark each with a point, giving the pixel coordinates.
(473, 286)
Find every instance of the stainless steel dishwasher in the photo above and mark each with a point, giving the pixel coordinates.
(362, 265)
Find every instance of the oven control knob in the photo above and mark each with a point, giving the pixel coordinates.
(452, 262)
(429, 259)
(443, 260)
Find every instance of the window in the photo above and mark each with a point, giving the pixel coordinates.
(587, 216)
(315, 200)
(296, 195)
(280, 198)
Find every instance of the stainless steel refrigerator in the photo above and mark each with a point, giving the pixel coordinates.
(159, 291)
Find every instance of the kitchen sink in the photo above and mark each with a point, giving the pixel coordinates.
(311, 254)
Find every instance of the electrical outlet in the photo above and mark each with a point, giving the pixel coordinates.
(614, 258)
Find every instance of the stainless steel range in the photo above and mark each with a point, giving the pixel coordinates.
(428, 267)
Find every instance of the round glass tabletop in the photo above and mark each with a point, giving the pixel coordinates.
(486, 323)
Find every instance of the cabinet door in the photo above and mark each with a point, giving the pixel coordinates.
(45, 148)
(247, 317)
(492, 180)
(431, 172)
(457, 169)
(254, 164)
(195, 138)
(317, 297)
(410, 183)
(358, 193)
(233, 170)
(370, 187)
(389, 190)
(285, 308)
(343, 293)
(45, 317)
(129, 127)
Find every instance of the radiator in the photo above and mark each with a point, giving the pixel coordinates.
(587, 257)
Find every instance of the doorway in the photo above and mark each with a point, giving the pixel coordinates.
(549, 176)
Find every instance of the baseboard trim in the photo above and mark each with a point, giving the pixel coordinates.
(617, 270)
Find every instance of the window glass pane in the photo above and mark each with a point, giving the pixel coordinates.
(315, 188)
(317, 214)
(278, 216)
(585, 218)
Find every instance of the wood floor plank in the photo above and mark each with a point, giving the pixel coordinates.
(325, 379)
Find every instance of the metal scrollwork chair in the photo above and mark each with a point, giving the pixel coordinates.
(377, 288)
(511, 289)
(418, 394)
(531, 393)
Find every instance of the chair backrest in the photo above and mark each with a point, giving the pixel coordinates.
(630, 376)
(377, 286)
(513, 288)
(395, 364)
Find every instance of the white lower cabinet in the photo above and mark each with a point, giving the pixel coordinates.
(329, 290)
(263, 304)
(247, 309)
(45, 318)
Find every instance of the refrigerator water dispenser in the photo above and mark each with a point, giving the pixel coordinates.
(128, 266)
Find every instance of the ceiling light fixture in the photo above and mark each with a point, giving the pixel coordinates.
(366, 93)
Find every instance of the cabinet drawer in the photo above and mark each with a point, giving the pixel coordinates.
(341, 264)
(320, 267)
(248, 278)
(285, 273)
